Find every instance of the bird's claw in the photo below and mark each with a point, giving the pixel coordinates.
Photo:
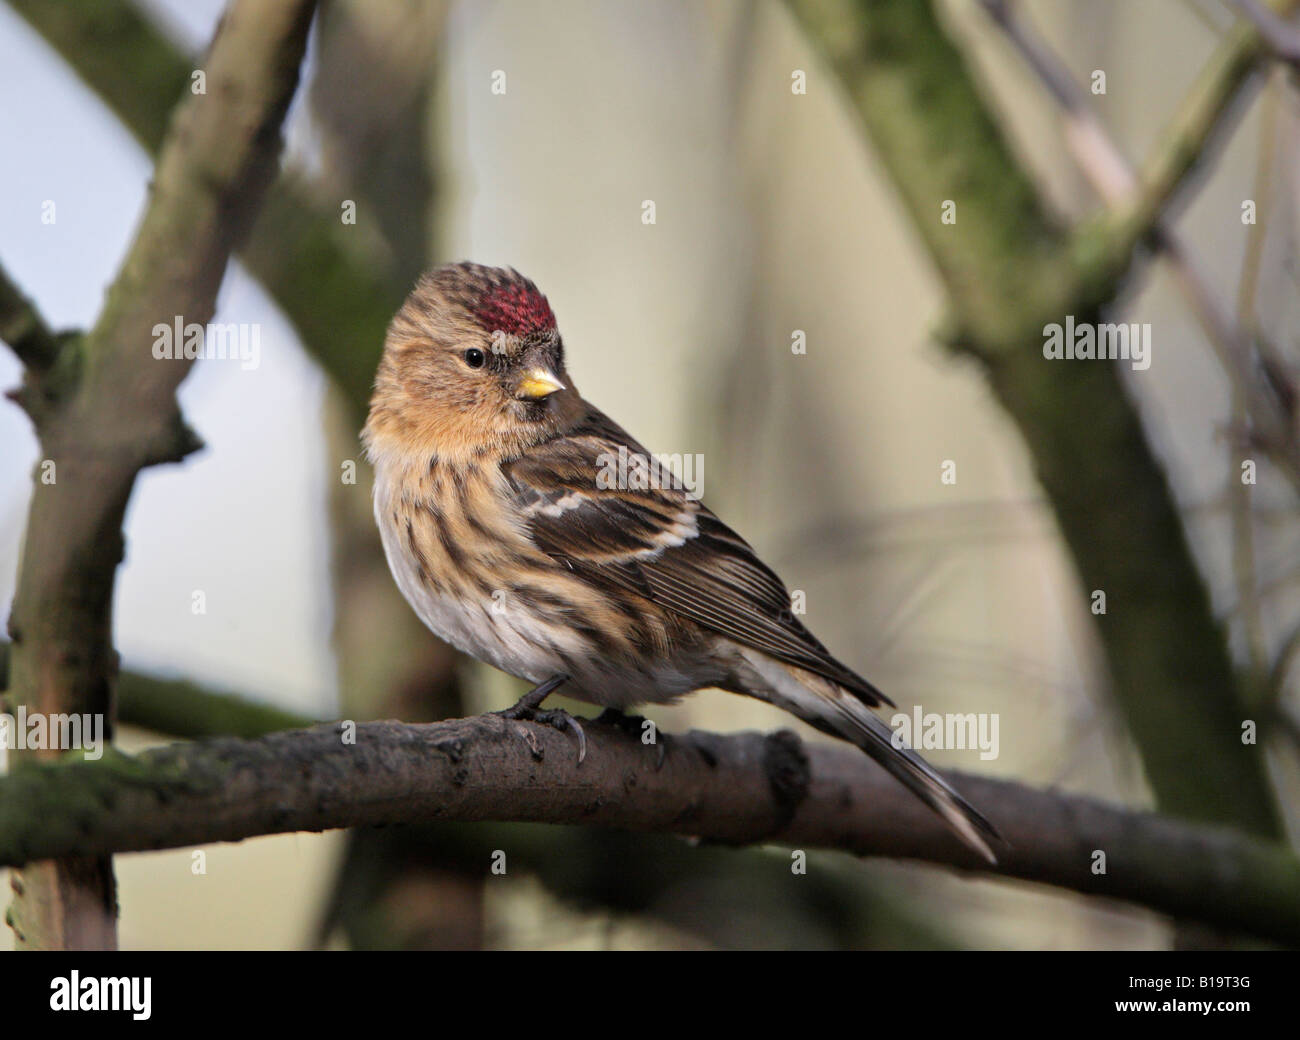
(558, 718)
(528, 709)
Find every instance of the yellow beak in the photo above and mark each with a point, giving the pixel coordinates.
(538, 383)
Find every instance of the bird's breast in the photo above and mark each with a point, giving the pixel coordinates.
(461, 559)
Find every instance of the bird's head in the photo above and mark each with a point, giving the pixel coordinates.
(473, 365)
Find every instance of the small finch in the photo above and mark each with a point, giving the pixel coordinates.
(507, 536)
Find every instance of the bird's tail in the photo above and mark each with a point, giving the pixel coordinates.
(854, 721)
(839, 713)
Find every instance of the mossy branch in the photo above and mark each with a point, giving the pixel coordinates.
(736, 790)
(621, 872)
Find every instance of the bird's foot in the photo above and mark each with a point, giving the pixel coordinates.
(528, 709)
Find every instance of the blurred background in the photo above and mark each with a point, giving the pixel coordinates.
(772, 213)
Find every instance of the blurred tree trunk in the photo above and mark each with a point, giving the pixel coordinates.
(1010, 268)
(375, 67)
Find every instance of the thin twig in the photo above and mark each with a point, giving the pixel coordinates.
(23, 328)
(1283, 38)
(1140, 204)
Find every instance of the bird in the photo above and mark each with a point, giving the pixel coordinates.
(515, 536)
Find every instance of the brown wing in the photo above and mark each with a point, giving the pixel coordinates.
(597, 502)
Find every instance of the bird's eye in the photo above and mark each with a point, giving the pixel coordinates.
(475, 357)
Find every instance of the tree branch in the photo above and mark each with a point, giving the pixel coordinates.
(337, 293)
(37, 347)
(737, 790)
(1139, 208)
(840, 908)
(120, 415)
(1202, 117)
(1282, 38)
(23, 328)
